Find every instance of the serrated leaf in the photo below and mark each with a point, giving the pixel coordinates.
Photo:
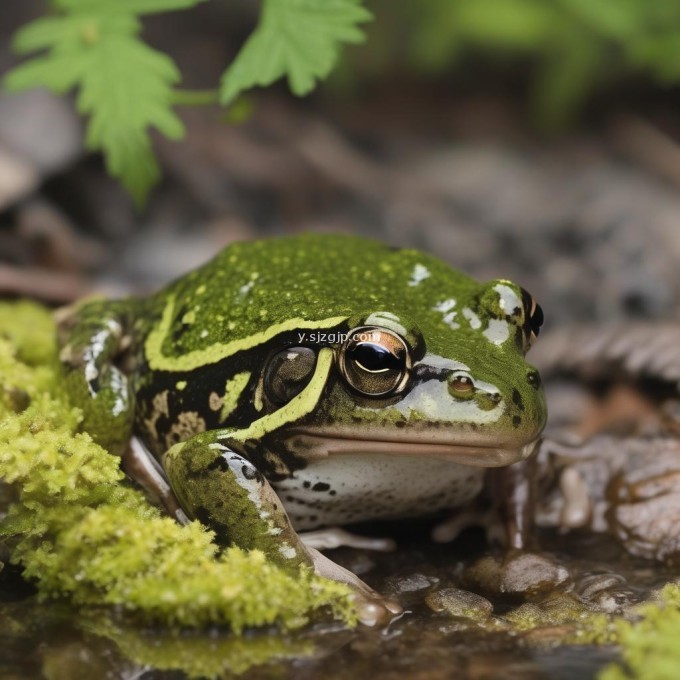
(59, 73)
(125, 86)
(297, 39)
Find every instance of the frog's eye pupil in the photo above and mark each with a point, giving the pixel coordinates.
(375, 361)
(373, 358)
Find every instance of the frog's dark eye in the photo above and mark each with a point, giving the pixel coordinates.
(533, 317)
(375, 361)
(288, 373)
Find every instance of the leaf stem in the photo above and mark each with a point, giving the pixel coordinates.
(195, 97)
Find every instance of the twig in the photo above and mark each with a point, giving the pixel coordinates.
(41, 284)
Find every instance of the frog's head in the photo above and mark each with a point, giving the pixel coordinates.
(339, 344)
(440, 374)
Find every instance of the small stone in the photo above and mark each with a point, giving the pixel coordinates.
(39, 134)
(462, 603)
(484, 574)
(41, 128)
(521, 574)
(17, 178)
(529, 573)
(411, 583)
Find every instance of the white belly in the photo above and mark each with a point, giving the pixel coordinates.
(344, 489)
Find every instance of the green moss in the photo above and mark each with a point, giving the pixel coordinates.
(580, 623)
(80, 531)
(649, 644)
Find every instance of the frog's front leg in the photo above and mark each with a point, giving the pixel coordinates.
(515, 486)
(224, 490)
(509, 520)
(93, 338)
(141, 466)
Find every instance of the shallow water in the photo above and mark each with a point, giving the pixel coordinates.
(51, 640)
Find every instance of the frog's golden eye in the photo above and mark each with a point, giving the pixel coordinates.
(462, 384)
(288, 373)
(533, 317)
(375, 361)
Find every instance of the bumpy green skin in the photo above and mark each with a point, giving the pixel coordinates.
(184, 368)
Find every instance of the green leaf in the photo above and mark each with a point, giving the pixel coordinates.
(69, 30)
(124, 85)
(297, 39)
(58, 73)
(127, 88)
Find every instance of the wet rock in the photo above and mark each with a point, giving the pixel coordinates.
(525, 574)
(462, 603)
(556, 610)
(607, 592)
(530, 573)
(633, 484)
(410, 583)
(650, 528)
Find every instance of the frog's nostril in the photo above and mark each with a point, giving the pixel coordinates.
(495, 397)
(534, 378)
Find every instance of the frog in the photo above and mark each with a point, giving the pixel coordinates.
(295, 385)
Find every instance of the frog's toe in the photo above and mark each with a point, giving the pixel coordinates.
(373, 608)
(376, 611)
(335, 537)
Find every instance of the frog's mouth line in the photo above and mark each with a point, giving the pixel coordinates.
(317, 445)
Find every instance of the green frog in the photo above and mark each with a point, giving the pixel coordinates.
(293, 385)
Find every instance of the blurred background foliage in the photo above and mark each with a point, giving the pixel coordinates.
(501, 134)
(569, 50)
(558, 56)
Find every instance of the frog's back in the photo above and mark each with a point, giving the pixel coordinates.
(251, 287)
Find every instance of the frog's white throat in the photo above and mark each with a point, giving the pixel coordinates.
(349, 479)
(339, 490)
(314, 446)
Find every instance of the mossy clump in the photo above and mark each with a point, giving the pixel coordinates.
(573, 620)
(649, 644)
(80, 530)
